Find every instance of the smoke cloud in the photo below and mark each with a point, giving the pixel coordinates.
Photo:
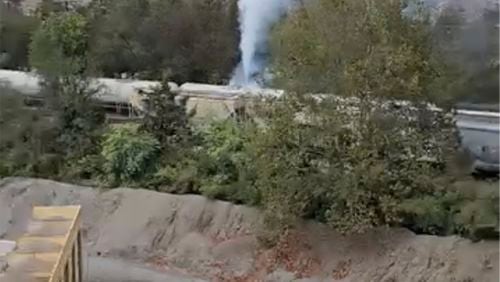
(256, 18)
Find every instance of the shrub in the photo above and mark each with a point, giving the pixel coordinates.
(469, 208)
(89, 167)
(179, 176)
(129, 154)
(79, 121)
(478, 207)
(166, 119)
(224, 165)
(431, 214)
(349, 168)
(27, 139)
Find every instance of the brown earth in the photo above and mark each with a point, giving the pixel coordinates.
(192, 236)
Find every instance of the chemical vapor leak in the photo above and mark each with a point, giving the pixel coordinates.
(256, 18)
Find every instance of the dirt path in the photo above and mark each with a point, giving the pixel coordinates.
(99, 269)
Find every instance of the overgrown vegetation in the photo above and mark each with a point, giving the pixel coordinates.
(128, 154)
(191, 41)
(27, 139)
(15, 35)
(361, 162)
(356, 163)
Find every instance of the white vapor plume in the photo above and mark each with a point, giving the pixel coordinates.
(256, 18)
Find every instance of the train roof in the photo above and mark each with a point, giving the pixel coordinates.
(110, 90)
(226, 91)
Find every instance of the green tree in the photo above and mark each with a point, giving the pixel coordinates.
(129, 154)
(60, 45)
(115, 33)
(225, 167)
(58, 52)
(358, 48)
(190, 41)
(15, 33)
(166, 118)
(472, 46)
(27, 145)
(76, 114)
(354, 159)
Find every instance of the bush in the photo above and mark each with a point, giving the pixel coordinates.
(349, 168)
(478, 207)
(27, 139)
(225, 166)
(89, 167)
(178, 176)
(129, 154)
(469, 208)
(218, 166)
(431, 214)
(78, 118)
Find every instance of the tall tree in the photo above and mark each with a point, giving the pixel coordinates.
(355, 162)
(15, 33)
(60, 45)
(357, 48)
(189, 41)
(58, 52)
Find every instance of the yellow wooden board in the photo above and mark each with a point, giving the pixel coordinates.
(56, 213)
(45, 247)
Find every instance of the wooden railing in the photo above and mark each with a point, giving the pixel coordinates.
(51, 248)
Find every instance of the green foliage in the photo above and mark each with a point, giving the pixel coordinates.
(225, 163)
(470, 208)
(59, 52)
(89, 167)
(472, 46)
(179, 176)
(195, 41)
(15, 33)
(478, 207)
(27, 137)
(431, 214)
(79, 121)
(354, 163)
(368, 52)
(351, 169)
(166, 118)
(47, 8)
(60, 44)
(129, 154)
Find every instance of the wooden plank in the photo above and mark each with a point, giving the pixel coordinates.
(55, 213)
(31, 262)
(58, 271)
(47, 228)
(35, 244)
(45, 251)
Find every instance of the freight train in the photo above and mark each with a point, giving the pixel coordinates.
(122, 99)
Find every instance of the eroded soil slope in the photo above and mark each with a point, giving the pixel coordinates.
(216, 241)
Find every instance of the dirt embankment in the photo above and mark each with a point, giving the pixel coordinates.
(216, 241)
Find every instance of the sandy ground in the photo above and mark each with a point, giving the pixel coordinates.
(139, 235)
(98, 269)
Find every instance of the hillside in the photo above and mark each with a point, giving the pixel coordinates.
(163, 236)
